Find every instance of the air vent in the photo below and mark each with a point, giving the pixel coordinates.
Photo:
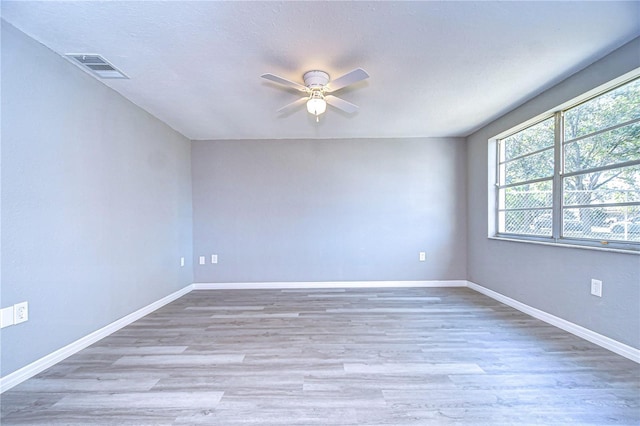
(96, 64)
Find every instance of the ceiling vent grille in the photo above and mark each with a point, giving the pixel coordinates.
(96, 65)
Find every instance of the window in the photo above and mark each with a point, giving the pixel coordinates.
(574, 176)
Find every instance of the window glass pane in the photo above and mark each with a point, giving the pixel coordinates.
(620, 185)
(614, 107)
(615, 146)
(626, 226)
(573, 224)
(532, 167)
(527, 222)
(603, 223)
(527, 196)
(530, 139)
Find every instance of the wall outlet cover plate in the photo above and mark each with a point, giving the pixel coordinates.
(20, 312)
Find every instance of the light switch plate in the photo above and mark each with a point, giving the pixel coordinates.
(6, 317)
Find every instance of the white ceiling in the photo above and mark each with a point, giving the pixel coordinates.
(437, 68)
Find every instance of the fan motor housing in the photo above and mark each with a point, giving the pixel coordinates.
(315, 79)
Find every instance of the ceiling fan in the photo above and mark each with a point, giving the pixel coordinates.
(317, 88)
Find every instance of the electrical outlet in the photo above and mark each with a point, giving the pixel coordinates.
(20, 312)
(202, 260)
(596, 287)
(214, 258)
(423, 256)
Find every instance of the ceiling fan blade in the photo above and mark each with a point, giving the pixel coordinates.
(349, 78)
(293, 105)
(341, 104)
(285, 82)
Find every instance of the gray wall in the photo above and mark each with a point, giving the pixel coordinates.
(555, 279)
(329, 210)
(96, 202)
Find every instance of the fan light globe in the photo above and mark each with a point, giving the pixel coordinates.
(316, 105)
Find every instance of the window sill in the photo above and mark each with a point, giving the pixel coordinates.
(567, 244)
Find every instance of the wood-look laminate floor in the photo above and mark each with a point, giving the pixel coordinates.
(333, 357)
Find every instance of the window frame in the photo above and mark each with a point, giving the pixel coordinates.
(558, 205)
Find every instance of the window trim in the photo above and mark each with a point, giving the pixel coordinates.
(557, 208)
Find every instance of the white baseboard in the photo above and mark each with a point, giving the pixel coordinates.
(9, 381)
(326, 284)
(30, 370)
(613, 345)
